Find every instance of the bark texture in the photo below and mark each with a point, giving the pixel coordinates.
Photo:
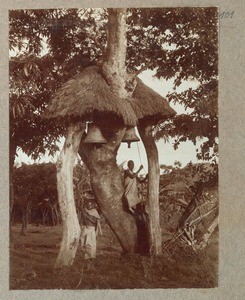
(152, 205)
(71, 227)
(114, 66)
(107, 184)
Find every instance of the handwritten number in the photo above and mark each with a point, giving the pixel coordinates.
(226, 14)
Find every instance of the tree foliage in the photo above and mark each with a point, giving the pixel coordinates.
(182, 43)
(53, 45)
(35, 182)
(47, 51)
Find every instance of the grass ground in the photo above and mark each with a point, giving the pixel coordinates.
(32, 259)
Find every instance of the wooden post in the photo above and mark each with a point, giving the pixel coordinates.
(152, 205)
(71, 227)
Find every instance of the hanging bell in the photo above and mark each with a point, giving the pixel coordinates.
(130, 136)
(94, 135)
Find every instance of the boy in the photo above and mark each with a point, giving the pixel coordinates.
(131, 189)
(90, 221)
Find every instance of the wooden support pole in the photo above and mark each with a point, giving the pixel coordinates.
(155, 237)
(71, 227)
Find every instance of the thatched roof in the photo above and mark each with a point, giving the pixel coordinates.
(88, 94)
(148, 103)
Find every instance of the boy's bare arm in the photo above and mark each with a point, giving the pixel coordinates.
(129, 174)
(133, 175)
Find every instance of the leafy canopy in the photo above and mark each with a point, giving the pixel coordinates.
(47, 47)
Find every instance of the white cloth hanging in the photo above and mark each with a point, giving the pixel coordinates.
(131, 191)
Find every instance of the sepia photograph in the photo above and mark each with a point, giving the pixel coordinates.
(113, 148)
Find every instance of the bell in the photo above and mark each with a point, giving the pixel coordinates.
(94, 135)
(130, 136)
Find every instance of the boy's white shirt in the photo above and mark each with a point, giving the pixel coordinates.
(93, 212)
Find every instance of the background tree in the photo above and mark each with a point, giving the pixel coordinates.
(32, 185)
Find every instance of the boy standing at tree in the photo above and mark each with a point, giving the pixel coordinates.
(90, 228)
(131, 189)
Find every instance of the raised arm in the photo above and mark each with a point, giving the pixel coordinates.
(133, 175)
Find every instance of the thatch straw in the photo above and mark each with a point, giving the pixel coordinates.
(149, 104)
(88, 94)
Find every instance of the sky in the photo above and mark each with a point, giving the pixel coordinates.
(185, 153)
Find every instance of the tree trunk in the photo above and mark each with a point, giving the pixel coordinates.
(106, 179)
(107, 184)
(152, 205)
(114, 66)
(71, 227)
(24, 225)
(25, 218)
